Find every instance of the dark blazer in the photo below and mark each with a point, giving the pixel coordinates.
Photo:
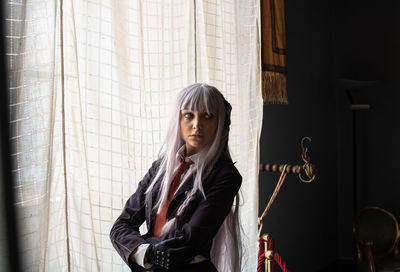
(198, 224)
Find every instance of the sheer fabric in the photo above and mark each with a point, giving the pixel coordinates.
(91, 88)
(227, 51)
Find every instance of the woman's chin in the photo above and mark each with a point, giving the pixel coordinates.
(193, 148)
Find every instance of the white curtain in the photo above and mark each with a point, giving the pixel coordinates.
(91, 88)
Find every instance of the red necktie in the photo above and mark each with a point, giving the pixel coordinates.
(161, 217)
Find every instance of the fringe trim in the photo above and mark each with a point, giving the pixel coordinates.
(274, 88)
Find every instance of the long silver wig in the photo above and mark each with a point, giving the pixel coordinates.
(204, 98)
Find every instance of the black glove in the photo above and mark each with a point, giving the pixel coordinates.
(170, 253)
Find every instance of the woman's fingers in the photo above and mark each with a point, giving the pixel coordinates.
(174, 242)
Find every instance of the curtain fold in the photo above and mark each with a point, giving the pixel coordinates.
(31, 30)
(91, 89)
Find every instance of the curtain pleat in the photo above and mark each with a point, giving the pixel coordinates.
(92, 85)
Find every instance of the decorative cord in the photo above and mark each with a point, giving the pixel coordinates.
(271, 200)
(277, 257)
(270, 242)
(282, 264)
(310, 170)
(262, 257)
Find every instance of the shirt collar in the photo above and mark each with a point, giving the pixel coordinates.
(194, 158)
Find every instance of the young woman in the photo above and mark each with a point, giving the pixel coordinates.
(187, 196)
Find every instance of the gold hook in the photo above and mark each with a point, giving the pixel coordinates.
(308, 167)
(302, 143)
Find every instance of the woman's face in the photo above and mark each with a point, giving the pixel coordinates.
(197, 129)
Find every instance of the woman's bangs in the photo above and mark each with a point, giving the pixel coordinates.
(199, 100)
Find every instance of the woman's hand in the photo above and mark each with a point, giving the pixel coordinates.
(170, 253)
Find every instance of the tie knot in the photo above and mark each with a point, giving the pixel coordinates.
(184, 165)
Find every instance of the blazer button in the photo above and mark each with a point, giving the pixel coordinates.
(186, 192)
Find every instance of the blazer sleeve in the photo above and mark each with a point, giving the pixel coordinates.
(211, 212)
(125, 235)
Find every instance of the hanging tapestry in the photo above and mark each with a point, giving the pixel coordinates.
(273, 36)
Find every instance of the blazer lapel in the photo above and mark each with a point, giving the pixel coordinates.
(179, 196)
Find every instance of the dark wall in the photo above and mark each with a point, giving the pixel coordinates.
(328, 41)
(303, 218)
(367, 48)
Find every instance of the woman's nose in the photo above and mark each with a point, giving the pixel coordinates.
(196, 122)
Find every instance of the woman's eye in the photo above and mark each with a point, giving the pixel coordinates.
(187, 115)
(208, 115)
